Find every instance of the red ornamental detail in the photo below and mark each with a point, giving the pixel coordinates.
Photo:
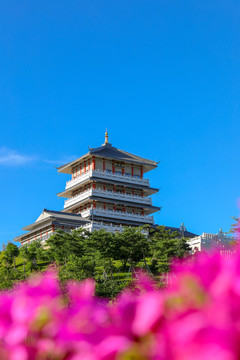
(141, 172)
(93, 163)
(132, 171)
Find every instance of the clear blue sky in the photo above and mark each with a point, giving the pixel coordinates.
(162, 75)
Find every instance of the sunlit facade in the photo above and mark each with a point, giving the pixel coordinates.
(107, 190)
(108, 187)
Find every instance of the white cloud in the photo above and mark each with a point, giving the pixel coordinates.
(10, 157)
(64, 160)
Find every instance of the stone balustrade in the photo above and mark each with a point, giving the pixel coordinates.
(145, 219)
(107, 195)
(108, 175)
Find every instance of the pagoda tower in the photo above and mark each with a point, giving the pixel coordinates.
(108, 188)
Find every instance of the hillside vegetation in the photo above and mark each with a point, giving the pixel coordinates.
(110, 259)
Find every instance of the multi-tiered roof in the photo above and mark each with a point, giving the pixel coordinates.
(108, 187)
(107, 190)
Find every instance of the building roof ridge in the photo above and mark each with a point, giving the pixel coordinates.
(130, 155)
(112, 152)
(61, 212)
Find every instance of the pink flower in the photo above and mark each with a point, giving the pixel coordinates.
(197, 318)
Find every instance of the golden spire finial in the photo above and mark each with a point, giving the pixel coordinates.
(106, 137)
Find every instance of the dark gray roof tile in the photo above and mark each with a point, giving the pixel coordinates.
(108, 151)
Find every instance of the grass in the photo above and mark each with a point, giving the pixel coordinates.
(119, 276)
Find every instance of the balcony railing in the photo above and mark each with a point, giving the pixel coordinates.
(78, 179)
(96, 225)
(79, 197)
(117, 215)
(122, 196)
(108, 176)
(109, 195)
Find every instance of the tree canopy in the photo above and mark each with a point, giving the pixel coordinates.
(109, 258)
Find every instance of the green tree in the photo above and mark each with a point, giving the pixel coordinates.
(9, 275)
(101, 245)
(132, 246)
(104, 242)
(109, 288)
(77, 268)
(182, 248)
(61, 245)
(165, 246)
(11, 252)
(32, 252)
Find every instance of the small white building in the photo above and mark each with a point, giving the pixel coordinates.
(195, 244)
(207, 241)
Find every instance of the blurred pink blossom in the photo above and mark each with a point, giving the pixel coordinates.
(198, 317)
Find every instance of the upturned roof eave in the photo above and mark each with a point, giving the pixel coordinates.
(97, 152)
(113, 201)
(127, 222)
(139, 159)
(35, 224)
(53, 215)
(64, 168)
(50, 221)
(39, 225)
(151, 190)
